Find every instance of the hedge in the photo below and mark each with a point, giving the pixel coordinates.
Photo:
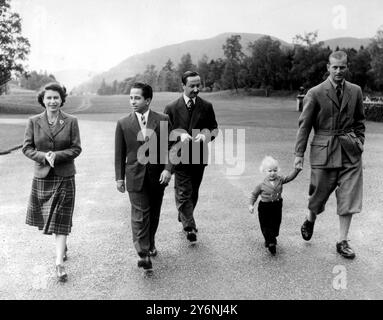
(373, 111)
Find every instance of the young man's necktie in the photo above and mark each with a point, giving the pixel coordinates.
(143, 121)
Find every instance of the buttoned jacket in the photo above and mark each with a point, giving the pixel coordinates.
(271, 192)
(63, 139)
(338, 128)
(201, 120)
(136, 155)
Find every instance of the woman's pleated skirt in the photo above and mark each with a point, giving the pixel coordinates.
(51, 204)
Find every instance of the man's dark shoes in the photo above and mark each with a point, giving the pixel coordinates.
(344, 249)
(191, 235)
(272, 248)
(153, 252)
(145, 263)
(307, 230)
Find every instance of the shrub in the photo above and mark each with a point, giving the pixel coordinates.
(373, 111)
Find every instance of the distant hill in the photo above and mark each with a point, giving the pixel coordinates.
(212, 47)
(347, 42)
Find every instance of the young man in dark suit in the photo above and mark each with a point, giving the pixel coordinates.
(142, 168)
(334, 109)
(194, 126)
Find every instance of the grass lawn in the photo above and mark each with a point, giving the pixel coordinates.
(12, 135)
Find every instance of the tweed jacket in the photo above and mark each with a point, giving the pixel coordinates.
(270, 192)
(63, 140)
(338, 129)
(202, 121)
(131, 150)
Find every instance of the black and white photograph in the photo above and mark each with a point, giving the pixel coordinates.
(191, 155)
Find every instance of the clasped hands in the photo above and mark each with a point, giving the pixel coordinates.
(50, 156)
(164, 179)
(298, 163)
(187, 137)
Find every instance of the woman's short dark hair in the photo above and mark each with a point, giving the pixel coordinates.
(188, 74)
(147, 91)
(54, 86)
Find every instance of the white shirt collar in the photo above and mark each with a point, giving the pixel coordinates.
(146, 114)
(187, 99)
(335, 85)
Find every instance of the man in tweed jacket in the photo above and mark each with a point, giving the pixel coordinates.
(335, 110)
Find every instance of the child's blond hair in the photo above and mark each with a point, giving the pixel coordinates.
(267, 162)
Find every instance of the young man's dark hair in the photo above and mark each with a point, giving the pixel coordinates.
(147, 91)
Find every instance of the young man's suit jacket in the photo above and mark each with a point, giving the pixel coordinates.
(338, 129)
(131, 150)
(63, 140)
(203, 119)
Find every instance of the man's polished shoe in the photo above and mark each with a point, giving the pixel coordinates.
(272, 248)
(145, 263)
(153, 252)
(267, 243)
(344, 249)
(61, 274)
(191, 235)
(307, 230)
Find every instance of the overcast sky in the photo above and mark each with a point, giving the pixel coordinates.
(98, 34)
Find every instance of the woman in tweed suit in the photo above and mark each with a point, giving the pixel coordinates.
(52, 141)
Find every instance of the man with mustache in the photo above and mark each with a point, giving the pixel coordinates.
(195, 126)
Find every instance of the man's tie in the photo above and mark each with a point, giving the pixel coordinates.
(190, 105)
(339, 93)
(143, 121)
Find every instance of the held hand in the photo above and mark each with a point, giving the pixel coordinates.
(185, 137)
(121, 186)
(200, 137)
(251, 208)
(298, 163)
(165, 177)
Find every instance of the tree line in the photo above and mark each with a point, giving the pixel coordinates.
(269, 66)
(14, 48)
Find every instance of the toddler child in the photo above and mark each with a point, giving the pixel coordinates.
(270, 205)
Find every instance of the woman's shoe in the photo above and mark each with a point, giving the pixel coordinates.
(61, 274)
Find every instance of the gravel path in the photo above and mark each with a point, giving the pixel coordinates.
(228, 261)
